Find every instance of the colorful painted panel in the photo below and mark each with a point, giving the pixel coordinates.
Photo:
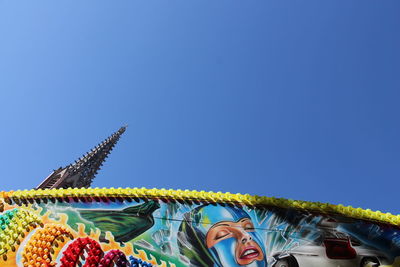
(59, 228)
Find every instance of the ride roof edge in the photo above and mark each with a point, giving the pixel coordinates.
(190, 196)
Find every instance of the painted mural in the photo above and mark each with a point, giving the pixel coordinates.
(96, 230)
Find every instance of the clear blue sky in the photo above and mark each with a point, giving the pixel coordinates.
(294, 99)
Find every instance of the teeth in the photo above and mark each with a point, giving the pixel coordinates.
(250, 251)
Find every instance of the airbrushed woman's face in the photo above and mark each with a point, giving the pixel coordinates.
(246, 249)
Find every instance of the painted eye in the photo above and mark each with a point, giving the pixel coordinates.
(221, 234)
(248, 227)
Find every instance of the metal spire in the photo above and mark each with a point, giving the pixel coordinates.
(82, 171)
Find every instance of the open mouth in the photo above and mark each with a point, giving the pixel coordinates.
(250, 253)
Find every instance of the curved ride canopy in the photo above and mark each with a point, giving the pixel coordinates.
(158, 227)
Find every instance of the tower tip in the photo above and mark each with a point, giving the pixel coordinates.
(82, 172)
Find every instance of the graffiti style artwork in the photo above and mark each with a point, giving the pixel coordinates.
(175, 228)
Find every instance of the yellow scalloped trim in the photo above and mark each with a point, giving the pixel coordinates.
(203, 196)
